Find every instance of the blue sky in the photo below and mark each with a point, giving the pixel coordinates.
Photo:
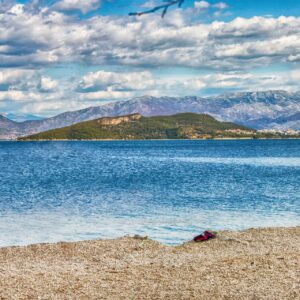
(242, 8)
(70, 54)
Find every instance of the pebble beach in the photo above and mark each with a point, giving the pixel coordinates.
(252, 264)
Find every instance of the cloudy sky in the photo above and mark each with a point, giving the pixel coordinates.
(58, 55)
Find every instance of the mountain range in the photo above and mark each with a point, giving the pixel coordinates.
(259, 110)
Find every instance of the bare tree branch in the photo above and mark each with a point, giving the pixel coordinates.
(163, 7)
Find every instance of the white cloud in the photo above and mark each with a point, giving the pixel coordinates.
(191, 85)
(294, 58)
(35, 100)
(6, 5)
(12, 76)
(47, 84)
(206, 5)
(26, 80)
(241, 81)
(21, 96)
(103, 80)
(31, 40)
(220, 5)
(151, 4)
(51, 107)
(43, 39)
(106, 95)
(84, 6)
(201, 4)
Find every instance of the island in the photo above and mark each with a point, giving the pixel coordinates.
(138, 127)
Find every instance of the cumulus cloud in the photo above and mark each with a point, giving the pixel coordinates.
(294, 58)
(26, 80)
(47, 38)
(220, 5)
(113, 81)
(202, 4)
(13, 76)
(5, 5)
(84, 6)
(21, 88)
(47, 84)
(34, 37)
(236, 81)
(42, 96)
(111, 85)
(206, 5)
(12, 95)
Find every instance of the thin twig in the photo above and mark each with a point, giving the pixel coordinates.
(163, 7)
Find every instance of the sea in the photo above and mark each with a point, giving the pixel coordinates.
(169, 190)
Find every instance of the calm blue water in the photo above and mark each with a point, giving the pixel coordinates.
(168, 190)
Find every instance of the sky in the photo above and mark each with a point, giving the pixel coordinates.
(62, 55)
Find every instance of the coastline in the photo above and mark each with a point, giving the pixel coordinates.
(259, 263)
(127, 140)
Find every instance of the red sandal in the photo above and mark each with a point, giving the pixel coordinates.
(206, 235)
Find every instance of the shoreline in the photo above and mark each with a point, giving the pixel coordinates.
(262, 263)
(140, 140)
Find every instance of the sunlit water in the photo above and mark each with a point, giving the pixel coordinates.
(168, 190)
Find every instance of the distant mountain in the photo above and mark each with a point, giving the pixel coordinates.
(270, 109)
(8, 128)
(291, 121)
(135, 126)
(22, 118)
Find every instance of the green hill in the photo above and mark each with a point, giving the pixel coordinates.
(135, 126)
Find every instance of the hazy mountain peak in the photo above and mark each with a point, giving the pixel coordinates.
(4, 118)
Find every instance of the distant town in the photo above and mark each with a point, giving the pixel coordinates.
(284, 132)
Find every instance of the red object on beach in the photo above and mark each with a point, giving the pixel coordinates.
(206, 235)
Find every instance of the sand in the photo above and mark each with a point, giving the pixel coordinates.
(252, 264)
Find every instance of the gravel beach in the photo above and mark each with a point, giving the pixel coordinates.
(251, 264)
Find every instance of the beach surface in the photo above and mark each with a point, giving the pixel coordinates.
(251, 264)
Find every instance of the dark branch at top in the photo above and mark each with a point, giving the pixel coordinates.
(163, 7)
